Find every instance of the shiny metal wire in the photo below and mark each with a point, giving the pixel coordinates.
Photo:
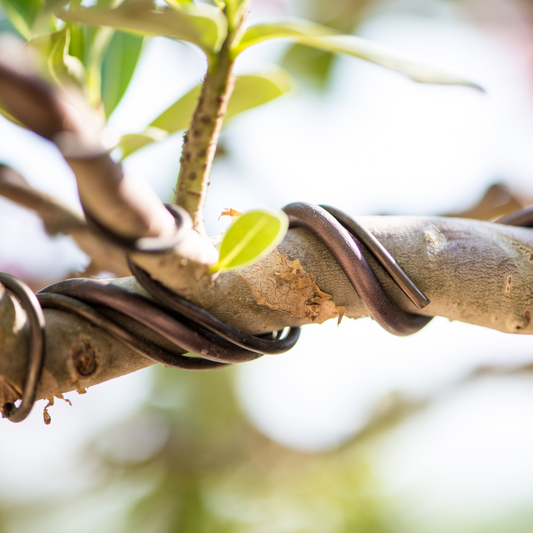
(190, 328)
(36, 347)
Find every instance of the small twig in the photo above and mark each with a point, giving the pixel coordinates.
(129, 208)
(59, 218)
(200, 141)
(499, 200)
(395, 408)
(56, 217)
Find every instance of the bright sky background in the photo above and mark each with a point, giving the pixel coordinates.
(375, 143)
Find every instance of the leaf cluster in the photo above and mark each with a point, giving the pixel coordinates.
(98, 61)
(97, 48)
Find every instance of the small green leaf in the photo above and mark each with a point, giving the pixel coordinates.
(118, 66)
(202, 24)
(251, 90)
(323, 38)
(249, 238)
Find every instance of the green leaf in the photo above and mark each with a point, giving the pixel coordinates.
(77, 40)
(89, 44)
(292, 30)
(178, 116)
(251, 90)
(52, 53)
(119, 64)
(309, 64)
(329, 40)
(96, 42)
(22, 14)
(202, 24)
(249, 238)
(135, 141)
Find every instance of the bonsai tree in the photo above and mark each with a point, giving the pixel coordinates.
(70, 76)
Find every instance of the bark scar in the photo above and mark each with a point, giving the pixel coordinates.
(279, 283)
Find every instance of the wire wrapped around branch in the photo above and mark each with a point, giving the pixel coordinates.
(191, 329)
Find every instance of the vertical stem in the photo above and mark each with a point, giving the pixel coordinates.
(200, 141)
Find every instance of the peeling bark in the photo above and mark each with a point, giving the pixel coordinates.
(282, 284)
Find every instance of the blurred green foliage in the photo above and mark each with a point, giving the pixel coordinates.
(118, 67)
(190, 462)
(250, 91)
(202, 468)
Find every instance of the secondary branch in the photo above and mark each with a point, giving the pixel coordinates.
(200, 141)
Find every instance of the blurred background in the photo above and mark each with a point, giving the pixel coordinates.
(431, 433)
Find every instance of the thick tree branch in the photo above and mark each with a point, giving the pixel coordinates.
(472, 271)
(499, 200)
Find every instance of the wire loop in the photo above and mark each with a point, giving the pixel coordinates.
(36, 347)
(147, 245)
